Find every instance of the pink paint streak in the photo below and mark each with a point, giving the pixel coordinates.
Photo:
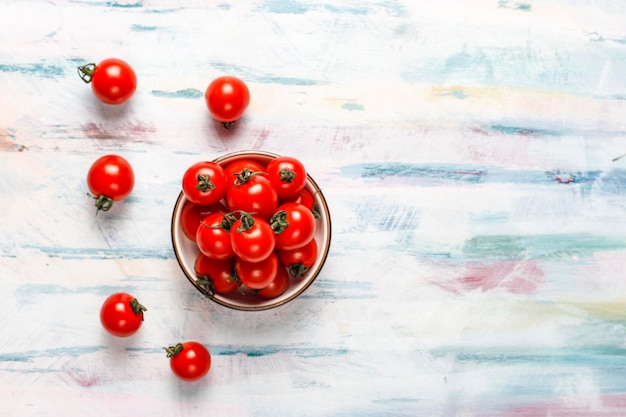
(516, 277)
(604, 406)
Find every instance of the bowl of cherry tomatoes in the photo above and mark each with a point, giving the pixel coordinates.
(251, 230)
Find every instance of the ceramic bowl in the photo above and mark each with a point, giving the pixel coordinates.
(186, 250)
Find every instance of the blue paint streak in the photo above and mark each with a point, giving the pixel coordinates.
(29, 355)
(506, 4)
(123, 5)
(294, 7)
(187, 93)
(142, 28)
(46, 71)
(521, 131)
(436, 174)
(259, 351)
(103, 253)
(250, 75)
(27, 291)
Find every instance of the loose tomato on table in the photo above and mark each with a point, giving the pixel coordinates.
(278, 286)
(294, 226)
(213, 236)
(216, 276)
(204, 183)
(252, 192)
(189, 361)
(113, 81)
(257, 275)
(252, 238)
(298, 261)
(192, 214)
(288, 176)
(121, 314)
(110, 178)
(227, 98)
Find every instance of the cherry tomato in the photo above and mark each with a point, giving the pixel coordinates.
(278, 286)
(227, 98)
(298, 261)
(216, 276)
(234, 168)
(110, 178)
(190, 361)
(252, 238)
(204, 183)
(192, 214)
(252, 193)
(113, 81)
(294, 225)
(121, 314)
(213, 236)
(287, 175)
(257, 275)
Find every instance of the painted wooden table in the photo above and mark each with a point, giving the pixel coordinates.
(470, 155)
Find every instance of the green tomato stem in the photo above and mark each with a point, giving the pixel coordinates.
(173, 351)
(85, 72)
(137, 308)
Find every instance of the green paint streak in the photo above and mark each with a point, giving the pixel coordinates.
(540, 246)
(352, 106)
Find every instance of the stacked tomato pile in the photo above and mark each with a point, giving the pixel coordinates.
(254, 224)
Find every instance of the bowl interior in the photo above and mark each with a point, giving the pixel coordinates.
(186, 250)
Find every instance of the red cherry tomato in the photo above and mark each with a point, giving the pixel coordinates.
(192, 214)
(257, 275)
(252, 238)
(204, 183)
(278, 286)
(189, 361)
(121, 314)
(287, 175)
(227, 98)
(110, 178)
(294, 225)
(213, 236)
(231, 170)
(304, 197)
(252, 193)
(298, 261)
(216, 276)
(113, 81)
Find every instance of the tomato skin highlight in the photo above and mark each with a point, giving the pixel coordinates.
(287, 175)
(204, 183)
(189, 361)
(110, 178)
(121, 315)
(257, 275)
(113, 81)
(227, 98)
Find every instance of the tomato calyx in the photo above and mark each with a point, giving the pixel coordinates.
(247, 221)
(244, 176)
(138, 309)
(204, 183)
(103, 202)
(279, 222)
(298, 270)
(207, 283)
(173, 351)
(287, 175)
(85, 72)
(228, 220)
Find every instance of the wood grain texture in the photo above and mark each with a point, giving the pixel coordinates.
(470, 155)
